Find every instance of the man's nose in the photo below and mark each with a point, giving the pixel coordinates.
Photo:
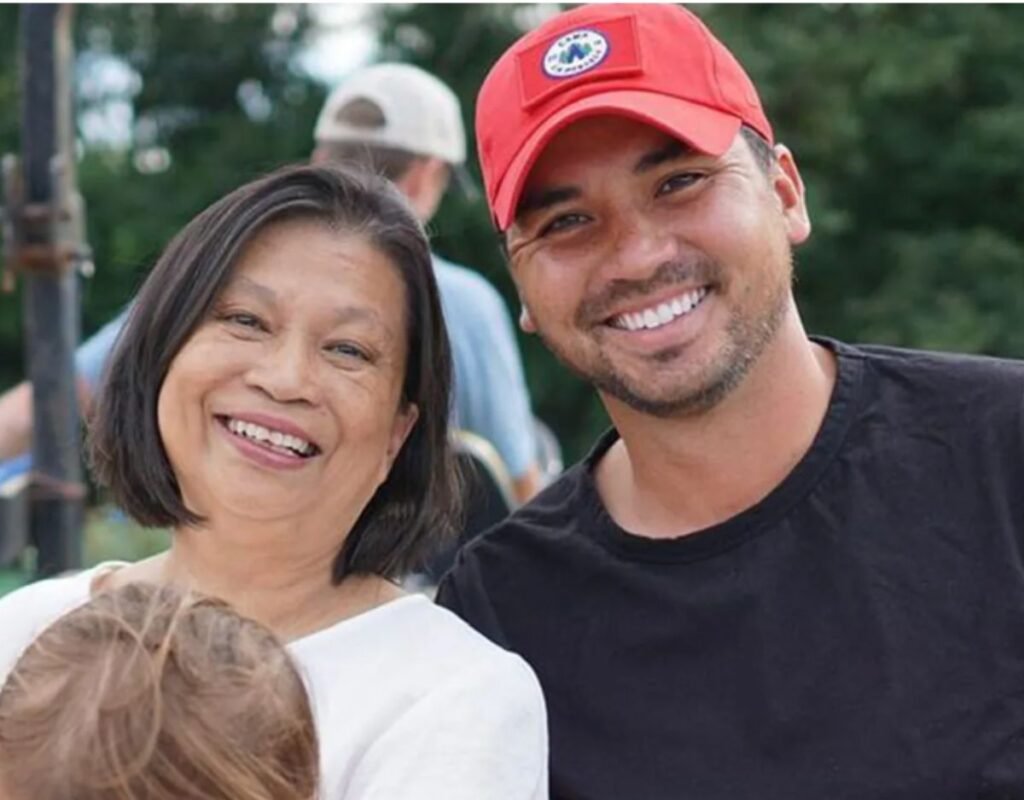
(640, 246)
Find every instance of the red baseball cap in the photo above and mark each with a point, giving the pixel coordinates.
(658, 64)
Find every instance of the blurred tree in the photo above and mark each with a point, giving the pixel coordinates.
(906, 122)
(10, 311)
(177, 104)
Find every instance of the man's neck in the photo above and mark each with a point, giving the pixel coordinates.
(671, 477)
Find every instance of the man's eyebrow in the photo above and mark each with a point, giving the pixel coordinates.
(670, 151)
(545, 198)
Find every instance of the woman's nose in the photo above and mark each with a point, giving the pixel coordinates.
(285, 372)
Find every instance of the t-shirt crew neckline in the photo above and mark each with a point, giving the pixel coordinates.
(736, 530)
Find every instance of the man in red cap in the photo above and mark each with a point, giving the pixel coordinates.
(794, 568)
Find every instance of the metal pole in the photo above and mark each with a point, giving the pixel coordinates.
(50, 294)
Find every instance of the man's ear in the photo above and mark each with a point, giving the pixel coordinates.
(412, 181)
(789, 189)
(440, 173)
(424, 184)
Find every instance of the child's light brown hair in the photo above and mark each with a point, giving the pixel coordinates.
(146, 693)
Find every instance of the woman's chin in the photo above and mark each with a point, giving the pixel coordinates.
(255, 503)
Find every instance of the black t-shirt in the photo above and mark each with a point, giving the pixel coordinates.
(857, 634)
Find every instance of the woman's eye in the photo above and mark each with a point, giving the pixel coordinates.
(244, 320)
(683, 180)
(349, 350)
(563, 223)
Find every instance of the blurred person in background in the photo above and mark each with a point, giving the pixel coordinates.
(124, 698)
(279, 398)
(407, 125)
(794, 567)
(16, 403)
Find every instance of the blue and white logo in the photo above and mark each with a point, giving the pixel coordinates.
(575, 53)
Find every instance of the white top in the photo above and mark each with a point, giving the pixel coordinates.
(410, 702)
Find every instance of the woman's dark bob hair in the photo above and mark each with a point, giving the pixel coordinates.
(418, 501)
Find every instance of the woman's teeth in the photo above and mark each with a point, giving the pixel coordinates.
(263, 435)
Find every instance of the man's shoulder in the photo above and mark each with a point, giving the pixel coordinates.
(556, 518)
(939, 361)
(552, 514)
(548, 525)
(945, 376)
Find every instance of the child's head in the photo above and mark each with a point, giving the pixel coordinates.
(144, 694)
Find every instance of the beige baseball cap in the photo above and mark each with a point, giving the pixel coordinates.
(420, 113)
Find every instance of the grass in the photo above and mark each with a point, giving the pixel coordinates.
(109, 536)
(11, 579)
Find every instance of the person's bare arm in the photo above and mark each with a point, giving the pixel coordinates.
(16, 417)
(527, 484)
(15, 420)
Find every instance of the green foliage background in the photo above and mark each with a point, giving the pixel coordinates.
(907, 122)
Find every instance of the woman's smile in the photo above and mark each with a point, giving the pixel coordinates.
(268, 442)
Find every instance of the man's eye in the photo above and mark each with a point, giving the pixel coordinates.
(563, 222)
(683, 180)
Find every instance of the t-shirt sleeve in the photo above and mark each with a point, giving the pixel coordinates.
(447, 595)
(92, 355)
(462, 591)
(482, 735)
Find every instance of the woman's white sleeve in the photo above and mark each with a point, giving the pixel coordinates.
(481, 735)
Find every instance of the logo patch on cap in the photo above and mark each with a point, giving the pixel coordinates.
(575, 53)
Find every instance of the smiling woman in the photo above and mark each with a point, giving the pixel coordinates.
(279, 398)
(289, 395)
(271, 293)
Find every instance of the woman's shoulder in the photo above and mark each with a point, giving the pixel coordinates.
(410, 627)
(409, 686)
(414, 649)
(464, 655)
(25, 612)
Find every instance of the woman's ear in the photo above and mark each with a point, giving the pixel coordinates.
(404, 422)
(789, 189)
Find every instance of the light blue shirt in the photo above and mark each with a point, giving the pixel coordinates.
(91, 356)
(490, 397)
(490, 391)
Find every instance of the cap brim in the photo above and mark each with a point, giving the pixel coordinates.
(705, 129)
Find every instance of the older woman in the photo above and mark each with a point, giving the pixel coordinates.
(279, 398)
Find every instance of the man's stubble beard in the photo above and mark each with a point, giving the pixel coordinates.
(746, 340)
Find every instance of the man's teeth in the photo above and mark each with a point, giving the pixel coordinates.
(662, 314)
(260, 434)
